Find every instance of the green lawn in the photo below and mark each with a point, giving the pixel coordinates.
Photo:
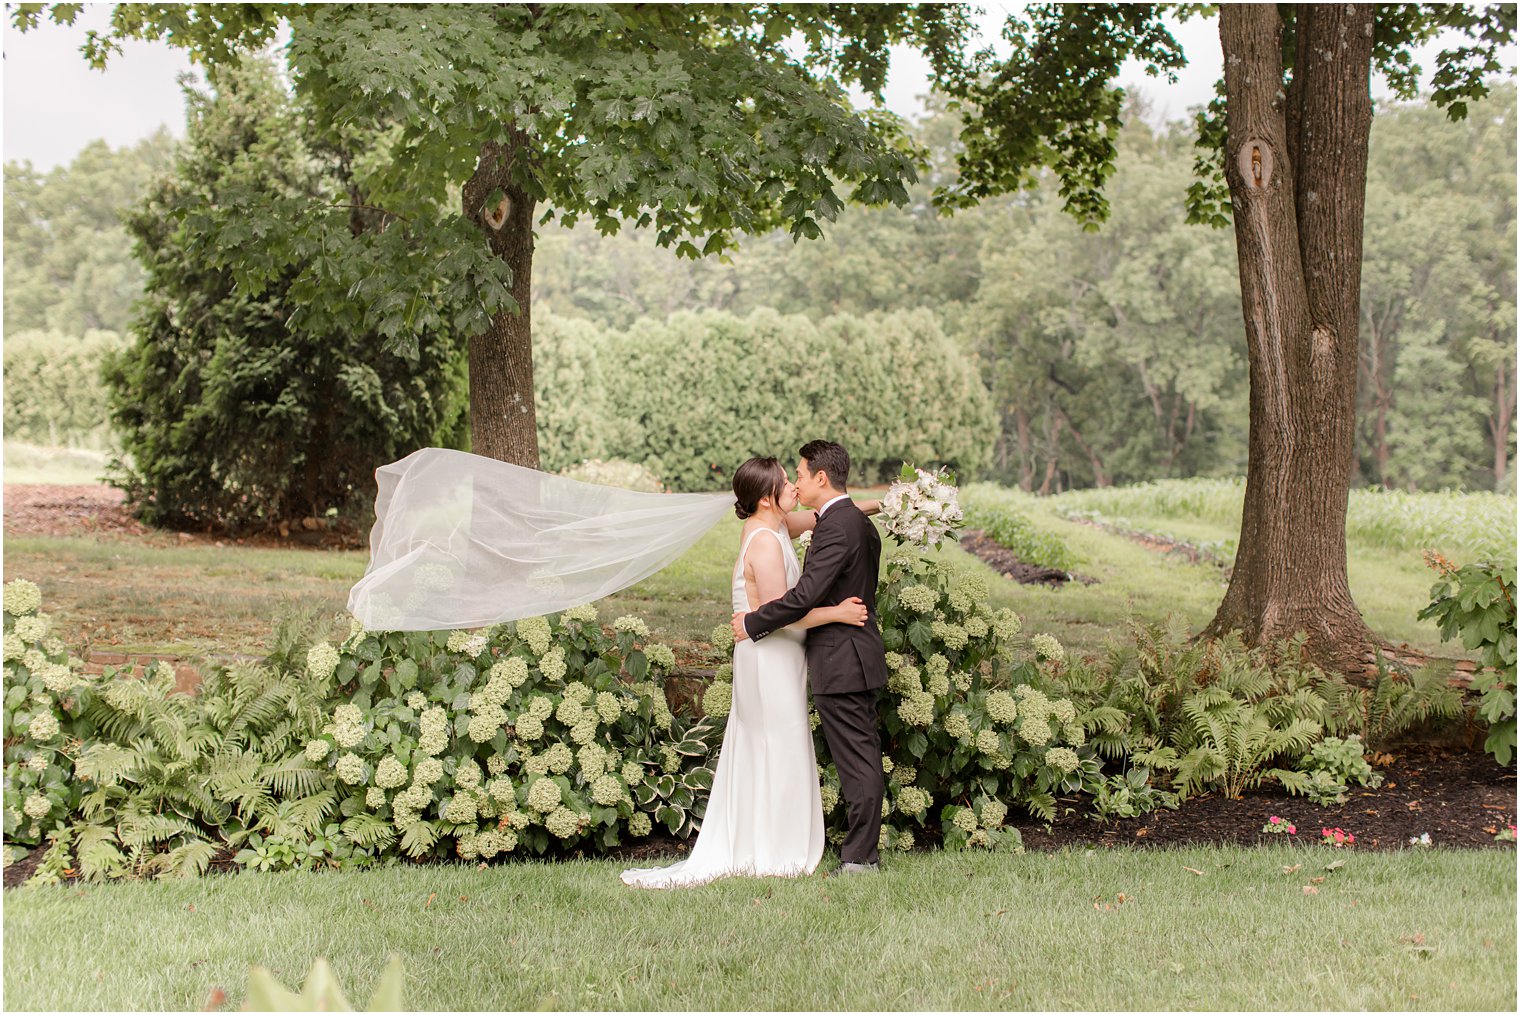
(1417, 930)
(160, 596)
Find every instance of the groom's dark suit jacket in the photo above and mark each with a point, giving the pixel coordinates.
(842, 561)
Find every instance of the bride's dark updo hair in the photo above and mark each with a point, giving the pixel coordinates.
(757, 478)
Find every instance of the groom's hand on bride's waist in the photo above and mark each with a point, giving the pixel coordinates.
(741, 633)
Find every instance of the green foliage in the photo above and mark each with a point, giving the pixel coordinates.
(1333, 765)
(235, 413)
(1477, 603)
(966, 733)
(1130, 795)
(995, 511)
(68, 259)
(321, 991)
(53, 387)
(1475, 523)
(542, 735)
(698, 394)
(1388, 704)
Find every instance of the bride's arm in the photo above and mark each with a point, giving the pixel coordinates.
(763, 565)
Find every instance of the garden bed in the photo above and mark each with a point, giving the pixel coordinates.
(1007, 563)
(1460, 798)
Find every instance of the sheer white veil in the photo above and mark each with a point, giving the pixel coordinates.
(465, 541)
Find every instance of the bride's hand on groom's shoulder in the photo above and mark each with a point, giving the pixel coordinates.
(740, 632)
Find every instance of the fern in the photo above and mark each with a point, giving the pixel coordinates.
(369, 830)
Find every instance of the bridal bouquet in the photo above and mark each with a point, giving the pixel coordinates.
(921, 508)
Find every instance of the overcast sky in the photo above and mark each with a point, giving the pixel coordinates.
(55, 104)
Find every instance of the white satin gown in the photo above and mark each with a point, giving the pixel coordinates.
(765, 815)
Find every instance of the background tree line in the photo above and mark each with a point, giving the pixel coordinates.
(1110, 357)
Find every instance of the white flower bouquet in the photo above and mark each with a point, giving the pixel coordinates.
(922, 508)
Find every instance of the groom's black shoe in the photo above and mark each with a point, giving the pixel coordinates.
(858, 868)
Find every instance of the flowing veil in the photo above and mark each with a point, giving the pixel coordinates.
(464, 541)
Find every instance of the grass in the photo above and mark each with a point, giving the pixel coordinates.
(32, 463)
(159, 596)
(932, 931)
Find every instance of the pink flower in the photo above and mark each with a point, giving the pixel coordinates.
(1292, 830)
(1275, 820)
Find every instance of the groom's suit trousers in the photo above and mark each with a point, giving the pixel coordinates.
(851, 727)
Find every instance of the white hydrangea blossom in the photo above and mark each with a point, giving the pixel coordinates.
(953, 635)
(584, 732)
(987, 742)
(537, 633)
(552, 665)
(569, 711)
(606, 790)
(460, 810)
(540, 707)
(913, 801)
(661, 657)
(633, 626)
(994, 813)
(1006, 624)
(1063, 758)
(374, 799)
(22, 597)
(350, 769)
(36, 805)
(1046, 647)
(905, 840)
(513, 671)
(390, 773)
(543, 795)
(559, 758)
(14, 647)
(37, 763)
(501, 791)
(917, 709)
(415, 700)
(429, 771)
(722, 638)
(562, 822)
(918, 598)
(608, 708)
(44, 726)
(964, 819)
(1001, 707)
(316, 750)
(639, 825)
(321, 661)
(486, 723)
(32, 628)
(718, 699)
(529, 726)
(584, 614)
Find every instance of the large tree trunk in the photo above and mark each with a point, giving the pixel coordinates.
(1297, 168)
(503, 423)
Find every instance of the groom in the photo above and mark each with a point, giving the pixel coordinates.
(846, 665)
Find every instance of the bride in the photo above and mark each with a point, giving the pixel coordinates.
(765, 815)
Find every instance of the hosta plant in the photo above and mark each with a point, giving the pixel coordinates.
(1333, 765)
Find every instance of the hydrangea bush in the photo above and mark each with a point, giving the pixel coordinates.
(520, 738)
(967, 733)
(43, 724)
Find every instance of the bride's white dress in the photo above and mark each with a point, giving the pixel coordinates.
(765, 815)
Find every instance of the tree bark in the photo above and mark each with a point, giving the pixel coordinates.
(1498, 425)
(503, 423)
(1296, 162)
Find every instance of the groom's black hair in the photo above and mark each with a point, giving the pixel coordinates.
(829, 458)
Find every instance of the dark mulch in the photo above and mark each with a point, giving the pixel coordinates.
(1460, 797)
(40, 509)
(1006, 562)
